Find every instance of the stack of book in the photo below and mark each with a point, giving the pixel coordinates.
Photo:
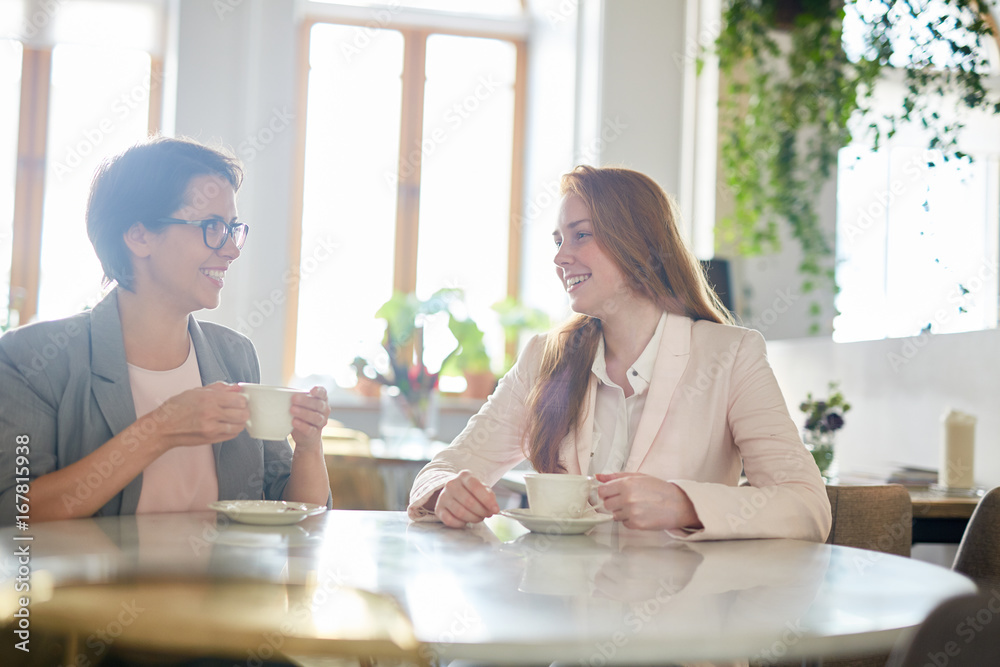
(913, 476)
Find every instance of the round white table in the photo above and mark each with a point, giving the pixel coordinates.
(495, 592)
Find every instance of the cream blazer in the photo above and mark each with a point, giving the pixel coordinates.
(713, 408)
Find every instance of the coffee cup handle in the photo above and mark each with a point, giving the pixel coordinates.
(595, 500)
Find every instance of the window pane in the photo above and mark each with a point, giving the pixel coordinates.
(351, 165)
(10, 100)
(465, 178)
(861, 239)
(90, 118)
(917, 245)
(941, 272)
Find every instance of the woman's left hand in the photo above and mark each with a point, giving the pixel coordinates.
(647, 503)
(309, 416)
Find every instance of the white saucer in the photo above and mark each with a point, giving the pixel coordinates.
(266, 512)
(552, 525)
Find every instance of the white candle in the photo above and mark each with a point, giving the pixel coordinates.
(957, 451)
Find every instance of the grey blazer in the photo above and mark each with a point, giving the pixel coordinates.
(64, 385)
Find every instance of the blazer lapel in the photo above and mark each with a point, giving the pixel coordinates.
(211, 370)
(671, 360)
(209, 366)
(108, 367)
(109, 380)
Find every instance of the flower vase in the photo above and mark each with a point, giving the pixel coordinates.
(821, 445)
(408, 420)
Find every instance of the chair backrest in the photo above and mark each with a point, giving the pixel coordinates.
(955, 635)
(879, 518)
(978, 555)
(355, 480)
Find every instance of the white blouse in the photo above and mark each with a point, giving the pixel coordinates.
(182, 479)
(615, 416)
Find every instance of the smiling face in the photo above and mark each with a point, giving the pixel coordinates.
(174, 265)
(591, 278)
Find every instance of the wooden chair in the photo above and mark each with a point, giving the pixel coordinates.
(948, 638)
(978, 555)
(878, 518)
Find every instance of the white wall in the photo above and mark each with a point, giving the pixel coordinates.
(235, 85)
(898, 389)
(642, 87)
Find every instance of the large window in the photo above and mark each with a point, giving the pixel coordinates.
(410, 176)
(917, 235)
(79, 85)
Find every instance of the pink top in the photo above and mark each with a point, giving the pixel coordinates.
(182, 479)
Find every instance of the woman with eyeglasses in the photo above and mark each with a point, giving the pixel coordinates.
(133, 406)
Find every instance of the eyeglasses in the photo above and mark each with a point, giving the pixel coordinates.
(215, 231)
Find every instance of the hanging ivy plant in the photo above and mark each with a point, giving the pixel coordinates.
(792, 88)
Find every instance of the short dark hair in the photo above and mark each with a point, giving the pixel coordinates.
(143, 184)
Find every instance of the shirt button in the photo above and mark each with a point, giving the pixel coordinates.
(635, 373)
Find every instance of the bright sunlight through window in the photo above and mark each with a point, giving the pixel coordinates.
(89, 118)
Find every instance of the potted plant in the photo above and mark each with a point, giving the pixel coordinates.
(824, 417)
(408, 387)
(791, 89)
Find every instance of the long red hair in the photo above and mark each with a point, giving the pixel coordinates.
(634, 224)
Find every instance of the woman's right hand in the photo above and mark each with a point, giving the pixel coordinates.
(201, 416)
(465, 500)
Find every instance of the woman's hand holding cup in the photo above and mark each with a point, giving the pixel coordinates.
(646, 502)
(205, 415)
(310, 413)
(465, 500)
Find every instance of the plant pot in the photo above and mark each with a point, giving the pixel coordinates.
(480, 384)
(821, 446)
(367, 387)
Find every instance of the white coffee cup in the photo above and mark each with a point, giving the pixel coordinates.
(558, 495)
(270, 410)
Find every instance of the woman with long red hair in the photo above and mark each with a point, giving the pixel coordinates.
(649, 387)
